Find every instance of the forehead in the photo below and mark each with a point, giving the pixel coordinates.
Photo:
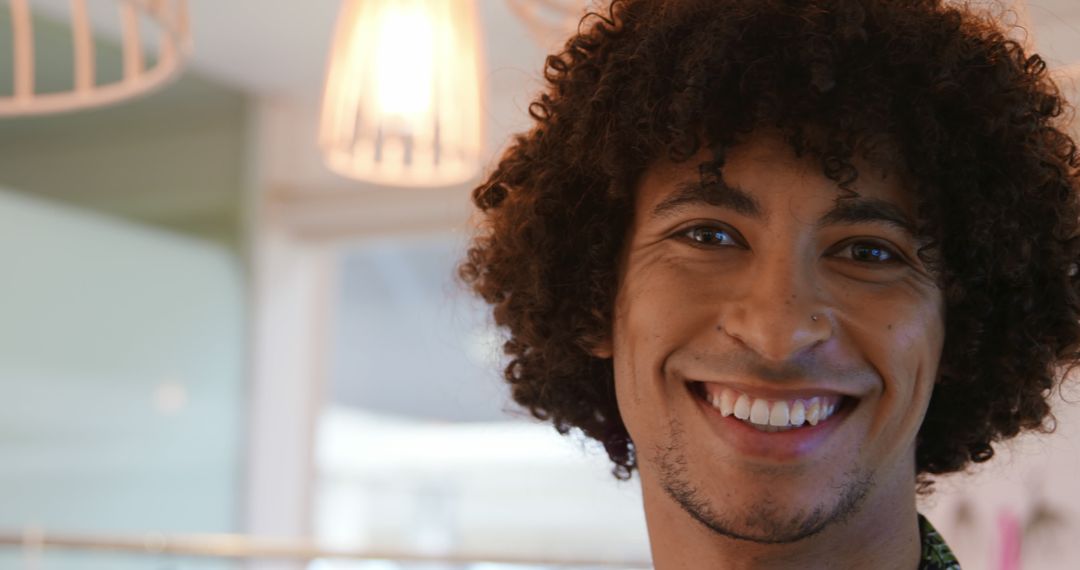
(764, 166)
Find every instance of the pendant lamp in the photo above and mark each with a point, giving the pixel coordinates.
(549, 22)
(403, 93)
(167, 18)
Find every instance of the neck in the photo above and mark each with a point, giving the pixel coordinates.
(882, 534)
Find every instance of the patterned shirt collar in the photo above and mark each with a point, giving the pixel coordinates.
(935, 553)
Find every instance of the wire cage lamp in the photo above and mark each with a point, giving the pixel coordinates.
(170, 19)
(403, 93)
(548, 21)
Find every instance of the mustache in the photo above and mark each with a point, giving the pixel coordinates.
(810, 366)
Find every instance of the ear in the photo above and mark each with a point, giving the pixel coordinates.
(600, 348)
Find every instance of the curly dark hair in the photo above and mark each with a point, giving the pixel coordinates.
(977, 122)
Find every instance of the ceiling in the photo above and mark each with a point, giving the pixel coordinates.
(278, 47)
(276, 51)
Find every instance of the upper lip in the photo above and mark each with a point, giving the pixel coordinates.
(796, 391)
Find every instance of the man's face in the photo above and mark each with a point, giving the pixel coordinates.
(771, 297)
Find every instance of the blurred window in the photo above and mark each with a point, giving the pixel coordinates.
(420, 449)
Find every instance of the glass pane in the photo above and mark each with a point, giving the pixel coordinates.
(420, 451)
(409, 341)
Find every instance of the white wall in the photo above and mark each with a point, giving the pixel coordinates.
(1026, 500)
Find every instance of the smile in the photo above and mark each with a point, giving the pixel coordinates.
(771, 415)
(775, 427)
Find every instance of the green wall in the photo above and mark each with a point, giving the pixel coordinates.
(174, 158)
(97, 314)
(120, 235)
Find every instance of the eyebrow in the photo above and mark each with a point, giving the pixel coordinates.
(717, 193)
(847, 210)
(859, 209)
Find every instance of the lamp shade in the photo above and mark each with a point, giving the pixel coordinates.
(402, 98)
(167, 18)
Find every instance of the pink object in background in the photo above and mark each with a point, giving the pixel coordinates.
(1010, 536)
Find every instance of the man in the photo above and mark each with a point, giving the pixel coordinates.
(787, 259)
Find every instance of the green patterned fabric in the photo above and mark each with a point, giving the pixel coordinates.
(935, 553)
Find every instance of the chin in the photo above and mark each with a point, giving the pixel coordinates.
(761, 504)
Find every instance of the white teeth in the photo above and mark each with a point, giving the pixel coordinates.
(727, 403)
(769, 414)
(813, 411)
(798, 413)
(759, 412)
(779, 414)
(742, 407)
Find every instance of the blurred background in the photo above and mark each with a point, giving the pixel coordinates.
(230, 334)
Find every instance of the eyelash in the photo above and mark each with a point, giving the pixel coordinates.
(893, 256)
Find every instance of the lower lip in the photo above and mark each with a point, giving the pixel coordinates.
(788, 445)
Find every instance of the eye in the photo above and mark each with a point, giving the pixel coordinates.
(708, 236)
(870, 252)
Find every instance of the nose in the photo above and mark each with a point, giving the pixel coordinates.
(778, 314)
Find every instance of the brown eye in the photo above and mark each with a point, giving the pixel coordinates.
(870, 252)
(709, 235)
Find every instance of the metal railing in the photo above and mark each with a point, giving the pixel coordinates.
(35, 541)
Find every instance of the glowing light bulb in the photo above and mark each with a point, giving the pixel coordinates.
(403, 93)
(405, 58)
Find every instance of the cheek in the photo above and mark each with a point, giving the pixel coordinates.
(655, 307)
(636, 307)
(651, 316)
(901, 335)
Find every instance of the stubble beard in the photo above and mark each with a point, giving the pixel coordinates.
(768, 521)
